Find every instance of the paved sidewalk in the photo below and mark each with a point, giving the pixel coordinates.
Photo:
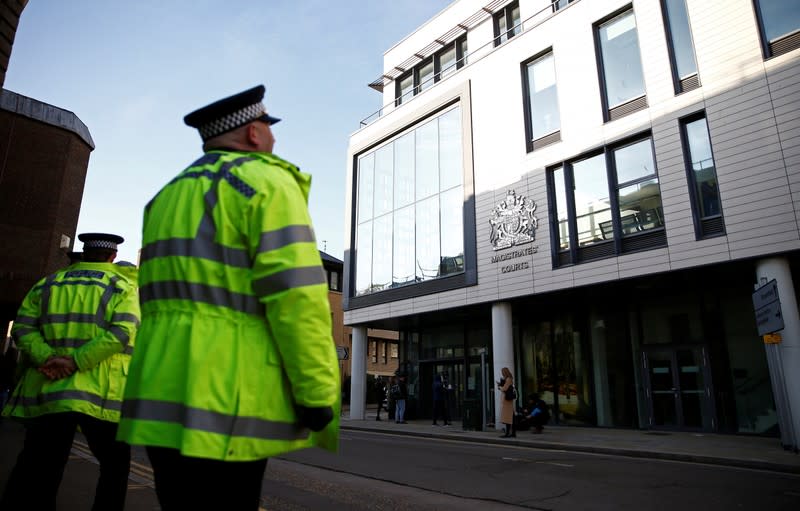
(717, 449)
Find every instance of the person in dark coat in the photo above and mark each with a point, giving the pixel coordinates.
(440, 401)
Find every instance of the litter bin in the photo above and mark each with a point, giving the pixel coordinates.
(471, 415)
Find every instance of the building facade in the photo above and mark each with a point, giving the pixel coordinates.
(382, 356)
(44, 155)
(588, 193)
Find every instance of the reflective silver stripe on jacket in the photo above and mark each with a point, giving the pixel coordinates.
(190, 247)
(211, 422)
(219, 296)
(67, 342)
(27, 320)
(289, 279)
(279, 238)
(75, 395)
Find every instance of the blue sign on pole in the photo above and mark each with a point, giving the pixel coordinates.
(767, 305)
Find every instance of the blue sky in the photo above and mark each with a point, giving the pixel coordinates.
(131, 70)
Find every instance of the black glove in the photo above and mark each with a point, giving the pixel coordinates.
(315, 419)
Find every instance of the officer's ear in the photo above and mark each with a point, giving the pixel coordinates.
(253, 137)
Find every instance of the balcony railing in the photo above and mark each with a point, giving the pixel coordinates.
(466, 60)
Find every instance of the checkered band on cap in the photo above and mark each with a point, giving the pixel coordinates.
(99, 244)
(231, 121)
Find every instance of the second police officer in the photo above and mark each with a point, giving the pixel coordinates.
(235, 360)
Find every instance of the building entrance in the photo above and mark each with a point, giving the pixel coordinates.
(452, 377)
(678, 388)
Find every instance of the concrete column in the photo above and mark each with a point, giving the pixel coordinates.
(784, 358)
(502, 350)
(358, 374)
(600, 366)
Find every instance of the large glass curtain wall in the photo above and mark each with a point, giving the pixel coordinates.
(410, 221)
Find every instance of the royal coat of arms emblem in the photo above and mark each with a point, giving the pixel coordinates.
(512, 221)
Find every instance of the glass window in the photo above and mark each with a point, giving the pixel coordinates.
(543, 97)
(622, 64)
(425, 79)
(702, 171)
(447, 62)
(366, 176)
(427, 155)
(561, 209)
(403, 271)
(779, 18)
(413, 228)
(680, 38)
(334, 282)
(461, 51)
(450, 166)
(506, 23)
(614, 192)
(560, 4)
(452, 211)
(405, 88)
(383, 180)
(404, 170)
(364, 258)
(592, 207)
(427, 242)
(382, 252)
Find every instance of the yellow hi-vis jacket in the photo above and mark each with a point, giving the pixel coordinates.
(89, 311)
(236, 324)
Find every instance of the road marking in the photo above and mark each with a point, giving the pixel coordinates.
(506, 458)
(141, 474)
(554, 463)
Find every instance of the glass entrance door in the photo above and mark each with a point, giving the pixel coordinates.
(453, 377)
(679, 388)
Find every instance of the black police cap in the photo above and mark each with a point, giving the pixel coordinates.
(100, 240)
(228, 114)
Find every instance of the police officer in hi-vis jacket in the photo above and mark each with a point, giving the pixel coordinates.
(235, 360)
(76, 330)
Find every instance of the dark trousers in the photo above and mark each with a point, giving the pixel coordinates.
(440, 410)
(197, 483)
(34, 481)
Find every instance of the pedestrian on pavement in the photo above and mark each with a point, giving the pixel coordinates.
(392, 392)
(537, 414)
(439, 401)
(235, 361)
(401, 395)
(507, 390)
(380, 390)
(76, 329)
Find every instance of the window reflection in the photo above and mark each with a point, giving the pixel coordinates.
(703, 169)
(452, 235)
(404, 170)
(383, 180)
(427, 164)
(561, 209)
(411, 207)
(366, 169)
(681, 38)
(780, 17)
(451, 168)
(364, 258)
(403, 271)
(639, 202)
(447, 62)
(425, 76)
(622, 64)
(427, 240)
(543, 97)
(591, 199)
(382, 252)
